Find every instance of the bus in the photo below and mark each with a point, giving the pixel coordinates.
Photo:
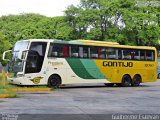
(57, 62)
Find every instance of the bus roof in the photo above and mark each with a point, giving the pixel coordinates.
(92, 43)
(97, 42)
(111, 44)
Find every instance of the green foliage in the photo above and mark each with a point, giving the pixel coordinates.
(122, 21)
(34, 26)
(4, 45)
(127, 22)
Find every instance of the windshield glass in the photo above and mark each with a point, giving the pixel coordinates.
(16, 65)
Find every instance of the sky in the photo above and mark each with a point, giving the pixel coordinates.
(48, 8)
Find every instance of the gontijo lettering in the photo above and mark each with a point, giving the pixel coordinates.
(117, 64)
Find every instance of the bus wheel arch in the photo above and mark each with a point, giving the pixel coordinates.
(137, 79)
(54, 81)
(126, 80)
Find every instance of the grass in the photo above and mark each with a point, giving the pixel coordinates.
(7, 84)
(2, 91)
(5, 92)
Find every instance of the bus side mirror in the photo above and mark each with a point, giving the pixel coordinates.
(4, 55)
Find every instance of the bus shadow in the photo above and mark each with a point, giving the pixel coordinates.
(84, 86)
(99, 86)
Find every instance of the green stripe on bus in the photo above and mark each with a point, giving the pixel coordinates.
(68, 42)
(76, 43)
(78, 68)
(92, 68)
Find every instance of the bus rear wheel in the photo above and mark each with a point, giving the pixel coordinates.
(136, 81)
(126, 81)
(54, 81)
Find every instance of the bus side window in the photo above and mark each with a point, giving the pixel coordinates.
(65, 51)
(126, 54)
(74, 51)
(53, 50)
(142, 55)
(93, 52)
(56, 50)
(135, 54)
(83, 52)
(111, 53)
(149, 55)
(119, 54)
(101, 53)
(60, 51)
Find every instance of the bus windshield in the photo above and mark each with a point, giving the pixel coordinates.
(15, 64)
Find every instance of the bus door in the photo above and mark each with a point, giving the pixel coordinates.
(34, 62)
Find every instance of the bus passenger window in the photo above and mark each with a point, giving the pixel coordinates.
(75, 51)
(101, 53)
(94, 52)
(149, 55)
(55, 51)
(142, 55)
(65, 51)
(111, 53)
(135, 54)
(119, 54)
(81, 52)
(126, 54)
(85, 52)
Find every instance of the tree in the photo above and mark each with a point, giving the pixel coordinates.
(4, 45)
(93, 15)
(141, 22)
(126, 22)
(34, 26)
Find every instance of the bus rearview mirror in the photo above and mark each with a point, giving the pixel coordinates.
(4, 55)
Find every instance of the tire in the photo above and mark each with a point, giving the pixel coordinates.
(136, 81)
(126, 81)
(109, 84)
(54, 81)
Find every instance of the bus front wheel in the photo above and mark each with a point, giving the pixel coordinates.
(54, 81)
(136, 81)
(126, 81)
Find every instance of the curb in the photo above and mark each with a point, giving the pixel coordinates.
(7, 95)
(28, 89)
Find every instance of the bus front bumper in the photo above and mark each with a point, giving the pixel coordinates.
(17, 81)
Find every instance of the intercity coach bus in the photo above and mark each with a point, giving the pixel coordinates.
(57, 62)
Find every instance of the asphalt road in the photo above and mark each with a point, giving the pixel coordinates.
(91, 99)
